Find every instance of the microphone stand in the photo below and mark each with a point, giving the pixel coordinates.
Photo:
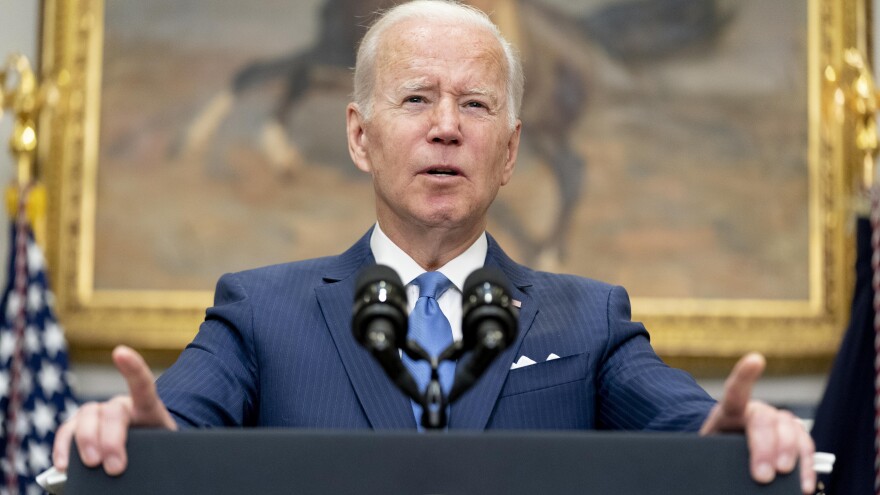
(434, 403)
(379, 324)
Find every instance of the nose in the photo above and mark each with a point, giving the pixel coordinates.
(446, 123)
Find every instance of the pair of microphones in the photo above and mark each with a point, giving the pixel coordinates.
(380, 324)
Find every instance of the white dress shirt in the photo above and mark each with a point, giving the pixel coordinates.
(387, 253)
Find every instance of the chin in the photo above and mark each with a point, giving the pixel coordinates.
(448, 214)
(449, 221)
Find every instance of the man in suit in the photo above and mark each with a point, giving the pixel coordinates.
(434, 121)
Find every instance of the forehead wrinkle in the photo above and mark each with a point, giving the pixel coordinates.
(409, 48)
(419, 84)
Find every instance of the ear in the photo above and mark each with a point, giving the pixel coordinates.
(512, 151)
(357, 138)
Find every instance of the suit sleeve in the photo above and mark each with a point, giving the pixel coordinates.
(637, 391)
(214, 381)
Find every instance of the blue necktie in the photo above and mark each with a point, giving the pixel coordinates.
(429, 327)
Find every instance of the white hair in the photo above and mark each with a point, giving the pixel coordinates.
(443, 10)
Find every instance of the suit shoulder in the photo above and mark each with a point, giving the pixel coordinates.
(290, 276)
(300, 267)
(304, 272)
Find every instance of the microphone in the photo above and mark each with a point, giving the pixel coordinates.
(488, 325)
(379, 323)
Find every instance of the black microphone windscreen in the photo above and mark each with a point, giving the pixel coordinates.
(485, 274)
(377, 273)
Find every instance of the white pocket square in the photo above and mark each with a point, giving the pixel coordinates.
(522, 362)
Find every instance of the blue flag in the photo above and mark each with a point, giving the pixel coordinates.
(35, 395)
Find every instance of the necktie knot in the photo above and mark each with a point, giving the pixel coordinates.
(432, 284)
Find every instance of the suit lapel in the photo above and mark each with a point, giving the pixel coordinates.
(473, 409)
(384, 405)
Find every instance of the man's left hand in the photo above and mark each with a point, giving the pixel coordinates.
(776, 438)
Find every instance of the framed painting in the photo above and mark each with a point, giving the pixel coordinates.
(697, 153)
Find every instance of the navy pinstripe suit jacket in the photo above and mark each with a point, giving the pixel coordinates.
(276, 350)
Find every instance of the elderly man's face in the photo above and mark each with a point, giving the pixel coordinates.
(439, 143)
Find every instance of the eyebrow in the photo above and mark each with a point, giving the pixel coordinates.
(423, 85)
(488, 93)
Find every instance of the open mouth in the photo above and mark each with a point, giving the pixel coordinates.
(443, 172)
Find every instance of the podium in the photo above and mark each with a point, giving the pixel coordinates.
(237, 461)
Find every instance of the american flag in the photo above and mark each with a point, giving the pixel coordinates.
(35, 395)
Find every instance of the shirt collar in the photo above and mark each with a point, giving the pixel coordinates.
(387, 253)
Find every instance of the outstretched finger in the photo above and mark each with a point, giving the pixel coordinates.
(141, 386)
(739, 384)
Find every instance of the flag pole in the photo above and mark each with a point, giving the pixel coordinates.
(35, 395)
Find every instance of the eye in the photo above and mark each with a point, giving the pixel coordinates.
(414, 99)
(475, 104)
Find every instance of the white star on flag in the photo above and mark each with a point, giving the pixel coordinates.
(53, 340)
(32, 343)
(43, 418)
(38, 456)
(49, 377)
(7, 345)
(13, 304)
(34, 258)
(34, 299)
(22, 425)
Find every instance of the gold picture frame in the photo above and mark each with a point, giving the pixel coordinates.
(693, 332)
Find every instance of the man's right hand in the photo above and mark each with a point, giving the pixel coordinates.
(101, 429)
